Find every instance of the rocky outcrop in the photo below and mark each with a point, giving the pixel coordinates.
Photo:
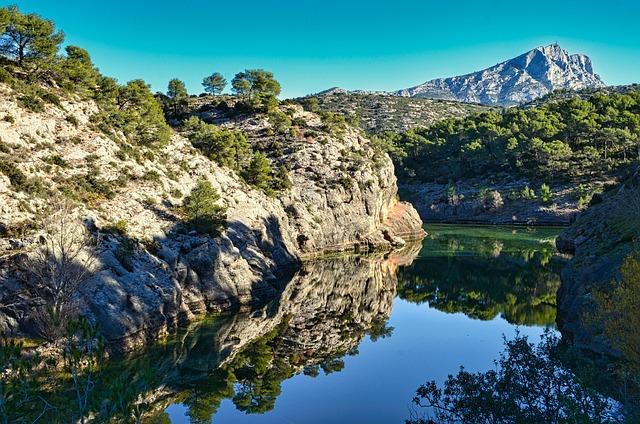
(518, 80)
(599, 240)
(343, 197)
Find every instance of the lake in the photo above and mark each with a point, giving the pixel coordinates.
(350, 339)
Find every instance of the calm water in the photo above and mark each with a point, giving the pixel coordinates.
(351, 339)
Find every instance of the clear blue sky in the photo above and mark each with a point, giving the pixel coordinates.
(314, 45)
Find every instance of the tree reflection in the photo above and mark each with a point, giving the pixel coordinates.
(484, 273)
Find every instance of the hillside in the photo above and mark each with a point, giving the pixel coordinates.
(533, 164)
(152, 269)
(514, 81)
(378, 113)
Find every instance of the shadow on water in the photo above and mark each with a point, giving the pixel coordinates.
(486, 272)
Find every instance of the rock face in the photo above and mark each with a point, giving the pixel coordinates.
(518, 80)
(599, 248)
(343, 198)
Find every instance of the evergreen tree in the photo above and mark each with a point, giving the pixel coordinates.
(258, 173)
(27, 37)
(177, 94)
(214, 83)
(202, 208)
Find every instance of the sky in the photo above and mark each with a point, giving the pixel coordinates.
(314, 45)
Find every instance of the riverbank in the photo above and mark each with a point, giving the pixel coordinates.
(510, 202)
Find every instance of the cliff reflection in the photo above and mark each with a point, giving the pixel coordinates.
(486, 272)
(322, 315)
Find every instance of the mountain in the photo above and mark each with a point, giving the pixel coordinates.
(521, 79)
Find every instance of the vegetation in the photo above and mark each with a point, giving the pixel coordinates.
(378, 114)
(258, 172)
(258, 88)
(27, 38)
(214, 83)
(202, 209)
(34, 67)
(177, 94)
(565, 140)
(617, 310)
(529, 385)
(226, 147)
(58, 268)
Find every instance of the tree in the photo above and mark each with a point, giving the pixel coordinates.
(258, 173)
(226, 147)
(214, 83)
(78, 68)
(530, 385)
(177, 94)
(27, 37)
(257, 87)
(132, 109)
(202, 208)
(59, 266)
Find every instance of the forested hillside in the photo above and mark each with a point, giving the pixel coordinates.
(572, 139)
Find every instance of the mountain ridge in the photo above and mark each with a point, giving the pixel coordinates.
(522, 79)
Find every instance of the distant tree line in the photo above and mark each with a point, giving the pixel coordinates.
(567, 139)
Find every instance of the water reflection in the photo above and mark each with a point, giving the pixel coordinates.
(322, 315)
(235, 366)
(486, 272)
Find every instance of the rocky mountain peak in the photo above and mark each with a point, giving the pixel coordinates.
(521, 79)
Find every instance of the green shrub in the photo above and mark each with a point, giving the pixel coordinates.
(259, 173)
(31, 102)
(72, 120)
(50, 97)
(118, 227)
(202, 209)
(346, 182)
(228, 148)
(16, 177)
(5, 76)
(528, 193)
(9, 118)
(125, 253)
(152, 176)
(56, 160)
(545, 194)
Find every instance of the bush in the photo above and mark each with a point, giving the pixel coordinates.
(490, 200)
(528, 193)
(228, 148)
(9, 118)
(258, 173)
(5, 76)
(202, 209)
(50, 97)
(16, 177)
(72, 120)
(545, 194)
(125, 253)
(31, 102)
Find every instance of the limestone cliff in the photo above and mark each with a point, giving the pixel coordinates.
(343, 197)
